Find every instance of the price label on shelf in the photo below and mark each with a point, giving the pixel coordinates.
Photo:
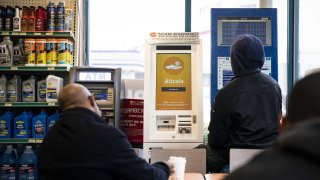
(14, 68)
(37, 34)
(7, 104)
(32, 141)
(51, 104)
(51, 68)
(5, 33)
(15, 33)
(38, 140)
(49, 33)
(23, 33)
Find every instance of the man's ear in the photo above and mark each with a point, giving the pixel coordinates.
(91, 99)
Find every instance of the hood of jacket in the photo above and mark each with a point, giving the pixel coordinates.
(247, 55)
(303, 139)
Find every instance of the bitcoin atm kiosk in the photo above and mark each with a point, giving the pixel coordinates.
(104, 84)
(172, 92)
(226, 25)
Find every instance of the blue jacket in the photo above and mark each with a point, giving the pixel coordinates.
(246, 111)
(83, 146)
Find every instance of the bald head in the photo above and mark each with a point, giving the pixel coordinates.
(76, 95)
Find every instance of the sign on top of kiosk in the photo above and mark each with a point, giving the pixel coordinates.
(174, 38)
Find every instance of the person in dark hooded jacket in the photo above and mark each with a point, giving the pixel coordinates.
(296, 154)
(247, 111)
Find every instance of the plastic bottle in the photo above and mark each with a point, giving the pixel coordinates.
(41, 53)
(60, 16)
(39, 125)
(2, 18)
(54, 84)
(52, 56)
(30, 51)
(21, 126)
(62, 47)
(14, 89)
(5, 125)
(51, 16)
(41, 90)
(9, 18)
(18, 53)
(29, 89)
(6, 51)
(32, 18)
(71, 49)
(68, 19)
(30, 115)
(27, 164)
(25, 19)
(8, 164)
(17, 21)
(3, 88)
(40, 23)
(52, 119)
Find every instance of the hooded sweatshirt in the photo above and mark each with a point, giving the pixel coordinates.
(295, 156)
(246, 111)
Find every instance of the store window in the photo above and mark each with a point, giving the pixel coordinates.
(119, 29)
(309, 50)
(201, 23)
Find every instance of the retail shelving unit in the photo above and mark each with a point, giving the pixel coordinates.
(73, 35)
(20, 141)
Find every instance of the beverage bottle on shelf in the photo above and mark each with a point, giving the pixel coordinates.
(5, 125)
(51, 16)
(6, 51)
(17, 21)
(40, 23)
(39, 124)
(60, 16)
(25, 19)
(52, 119)
(27, 164)
(8, 163)
(9, 19)
(18, 53)
(14, 89)
(32, 19)
(21, 125)
(3, 88)
(2, 18)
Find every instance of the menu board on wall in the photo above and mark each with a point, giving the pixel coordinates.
(173, 81)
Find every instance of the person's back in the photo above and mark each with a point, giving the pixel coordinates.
(295, 156)
(252, 103)
(246, 111)
(296, 153)
(83, 146)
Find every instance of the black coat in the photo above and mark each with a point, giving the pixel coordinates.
(83, 146)
(246, 111)
(295, 156)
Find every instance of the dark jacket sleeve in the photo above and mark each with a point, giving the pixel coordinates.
(127, 165)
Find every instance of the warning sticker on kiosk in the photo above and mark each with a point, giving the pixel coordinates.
(173, 84)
